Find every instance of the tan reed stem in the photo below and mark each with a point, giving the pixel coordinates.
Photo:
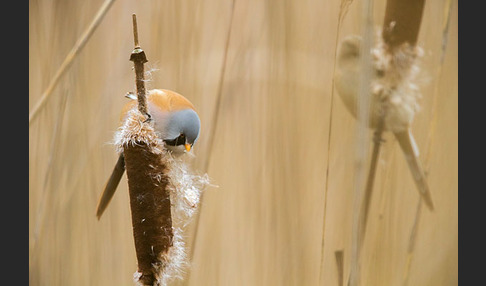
(69, 59)
(213, 130)
(339, 255)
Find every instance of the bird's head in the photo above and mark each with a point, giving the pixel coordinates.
(182, 130)
(349, 51)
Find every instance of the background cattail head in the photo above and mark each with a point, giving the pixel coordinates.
(394, 88)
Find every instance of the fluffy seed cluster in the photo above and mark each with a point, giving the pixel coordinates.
(185, 190)
(134, 129)
(395, 83)
(173, 262)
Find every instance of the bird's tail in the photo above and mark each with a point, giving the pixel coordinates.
(111, 185)
(410, 150)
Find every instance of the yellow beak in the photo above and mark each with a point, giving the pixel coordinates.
(188, 147)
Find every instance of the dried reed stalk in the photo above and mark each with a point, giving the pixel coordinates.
(430, 139)
(377, 140)
(69, 59)
(339, 255)
(343, 9)
(363, 104)
(214, 122)
(46, 193)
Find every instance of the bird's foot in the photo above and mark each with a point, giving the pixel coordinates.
(149, 117)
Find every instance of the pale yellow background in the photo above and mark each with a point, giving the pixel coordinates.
(281, 151)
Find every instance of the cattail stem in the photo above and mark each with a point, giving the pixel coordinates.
(401, 25)
(139, 59)
(148, 183)
(377, 140)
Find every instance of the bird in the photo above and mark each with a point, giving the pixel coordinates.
(393, 97)
(175, 121)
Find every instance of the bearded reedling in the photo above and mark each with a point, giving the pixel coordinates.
(393, 99)
(176, 123)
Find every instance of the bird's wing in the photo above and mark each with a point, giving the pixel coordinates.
(111, 185)
(410, 150)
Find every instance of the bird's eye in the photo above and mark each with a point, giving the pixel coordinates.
(181, 140)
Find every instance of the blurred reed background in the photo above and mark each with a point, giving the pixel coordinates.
(281, 148)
